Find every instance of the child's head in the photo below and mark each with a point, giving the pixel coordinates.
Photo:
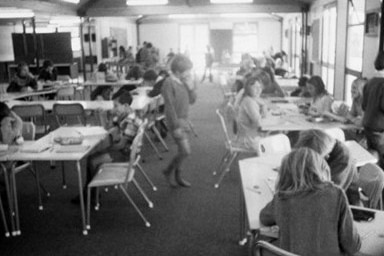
(101, 92)
(264, 78)
(48, 65)
(253, 85)
(357, 87)
(316, 86)
(121, 102)
(149, 77)
(181, 66)
(22, 69)
(302, 170)
(317, 140)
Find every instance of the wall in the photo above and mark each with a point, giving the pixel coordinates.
(103, 29)
(371, 44)
(6, 47)
(165, 35)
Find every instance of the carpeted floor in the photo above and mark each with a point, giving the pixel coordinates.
(200, 220)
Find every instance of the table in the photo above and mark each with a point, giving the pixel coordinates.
(21, 95)
(48, 104)
(359, 154)
(118, 83)
(258, 171)
(92, 137)
(286, 117)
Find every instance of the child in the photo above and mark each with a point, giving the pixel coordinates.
(250, 111)
(312, 213)
(321, 100)
(22, 80)
(123, 129)
(302, 91)
(178, 92)
(10, 126)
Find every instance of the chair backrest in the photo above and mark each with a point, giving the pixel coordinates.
(274, 144)
(29, 112)
(335, 133)
(66, 93)
(28, 131)
(272, 249)
(69, 114)
(227, 116)
(134, 156)
(64, 78)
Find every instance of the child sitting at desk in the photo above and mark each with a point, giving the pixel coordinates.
(250, 111)
(22, 80)
(321, 100)
(123, 129)
(312, 213)
(343, 170)
(10, 126)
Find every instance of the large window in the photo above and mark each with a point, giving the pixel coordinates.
(328, 50)
(194, 39)
(245, 40)
(355, 45)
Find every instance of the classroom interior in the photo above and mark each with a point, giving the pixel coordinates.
(337, 40)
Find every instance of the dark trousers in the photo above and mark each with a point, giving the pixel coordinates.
(375, 141)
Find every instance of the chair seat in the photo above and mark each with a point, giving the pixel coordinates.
(40, 129)
(238, 147)
(109, 175)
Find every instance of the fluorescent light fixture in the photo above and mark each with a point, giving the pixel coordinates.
(65, 21)
(71, 1)
(182, 16)
(231, 1)
(14, 13)
(244, 15)
(146, 2)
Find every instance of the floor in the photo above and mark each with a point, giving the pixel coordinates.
(195, 221)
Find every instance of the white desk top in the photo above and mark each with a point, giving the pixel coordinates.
(48, 104)
(255, 174)
(286, 117)
(117, 83)
(92, 137)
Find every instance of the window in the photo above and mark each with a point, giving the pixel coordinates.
(245, 40)
(194, 39)
(355, 45)
(328, 52)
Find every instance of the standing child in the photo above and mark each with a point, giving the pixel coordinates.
(312, 213)
(178, 92)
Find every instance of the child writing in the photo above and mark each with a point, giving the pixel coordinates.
(122, 129)
(312, 213)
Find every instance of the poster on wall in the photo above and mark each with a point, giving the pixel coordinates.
(372, 24)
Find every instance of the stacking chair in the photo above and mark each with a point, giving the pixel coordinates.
(66, 93)
(275, 144)
(271, 249)
(227, 93)
(336, 133)
(151, 116)
(227, 119)
(4, 219)
(122, 175)
(33, 113)
(69, 115)
(28, 132)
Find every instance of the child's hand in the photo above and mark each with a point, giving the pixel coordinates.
(178, 133)
(343, 110)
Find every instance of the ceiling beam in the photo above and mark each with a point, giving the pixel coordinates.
(165, 10)
(41, 6)
(82, 10)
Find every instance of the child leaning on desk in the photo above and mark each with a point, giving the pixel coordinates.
(10, 126)
(312, 213)
(122, 130)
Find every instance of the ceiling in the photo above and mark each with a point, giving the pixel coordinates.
(106, 8)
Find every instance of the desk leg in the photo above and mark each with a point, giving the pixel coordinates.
(243, 224)
(16, 204)
(82, 206)
(9, 195)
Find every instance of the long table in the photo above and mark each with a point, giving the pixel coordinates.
(258, 172)
(286, 117)
(140, 102)
(21, 95)
(92, 137)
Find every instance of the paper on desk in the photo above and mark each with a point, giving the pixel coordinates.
(72, 148)
(91, 131)
(35, 147)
